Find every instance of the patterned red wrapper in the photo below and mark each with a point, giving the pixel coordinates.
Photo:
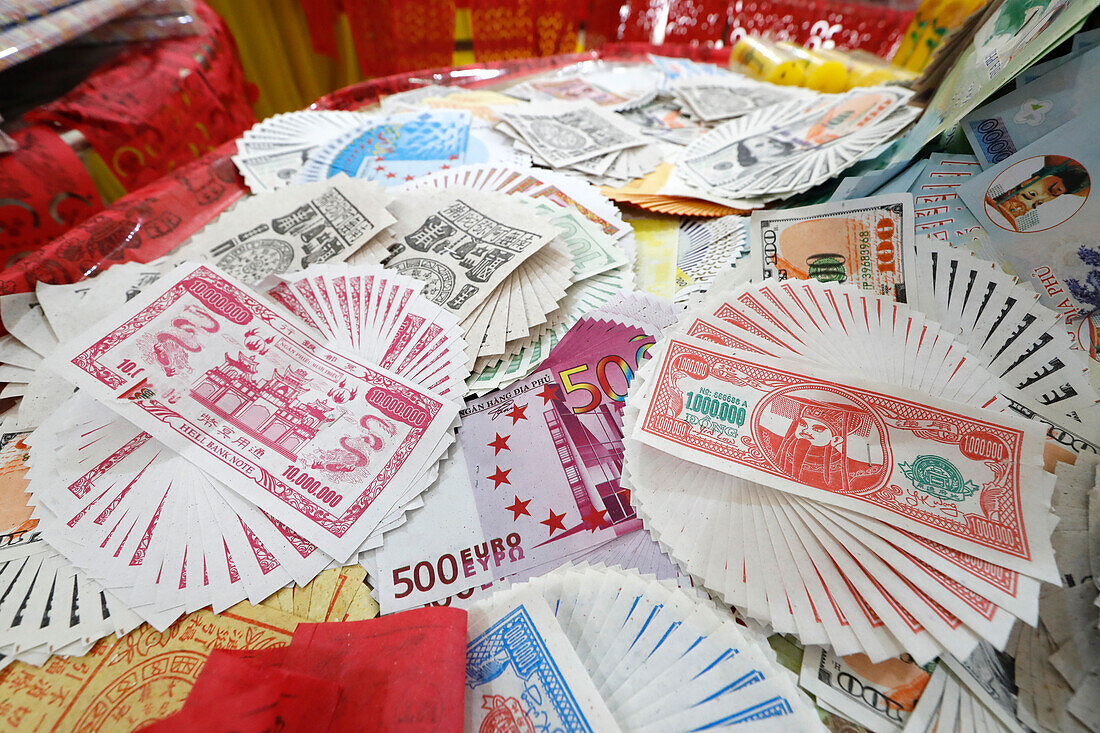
(44, 191)
(139, 227)
(394, 35)
(511, 29)
(161, 105)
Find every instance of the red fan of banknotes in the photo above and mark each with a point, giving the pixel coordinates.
(244, 449)
(832, 462)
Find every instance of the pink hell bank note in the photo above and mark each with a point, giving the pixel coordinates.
(316, 437)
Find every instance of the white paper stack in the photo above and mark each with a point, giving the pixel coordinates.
(600, 242)
(168, 520)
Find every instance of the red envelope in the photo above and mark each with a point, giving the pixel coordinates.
(404, 672)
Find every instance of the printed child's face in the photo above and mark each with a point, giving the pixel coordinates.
(1036, 192)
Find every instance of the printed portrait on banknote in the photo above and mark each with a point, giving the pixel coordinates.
(1037, 193)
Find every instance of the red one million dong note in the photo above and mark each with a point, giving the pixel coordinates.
(968, 478)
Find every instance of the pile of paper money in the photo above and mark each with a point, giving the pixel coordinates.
(616, 88)
(856, 490)
(499, 264)
(248, 450)
(581, 136)
(714, 98)
(593, 232)
(310, 146)
(684, 471)
(668, 136)
(618, 650)
(1057, 669)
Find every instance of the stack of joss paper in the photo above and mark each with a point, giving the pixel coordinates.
(835, 464)
(604, 649)
(243, 449)
(593, 231)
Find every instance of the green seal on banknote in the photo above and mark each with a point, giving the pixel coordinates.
(938, 476)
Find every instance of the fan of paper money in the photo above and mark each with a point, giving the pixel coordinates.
(999, 320)
(499, 264)
(782, 149)
(617, 89)
(249, 450)
(1003, 322)
(583, 224)
(266, 234)
(582, 137)
(1058, 661)
(308, 146)
(834, 463)
(706, 248)
(974, 694)
(47, 606)
(600, 242)
(712, 97)
(602, 245)
(608, 649)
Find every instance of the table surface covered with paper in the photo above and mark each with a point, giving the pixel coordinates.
(583, 394)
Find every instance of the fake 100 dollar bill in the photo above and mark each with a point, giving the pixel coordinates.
(862, 241)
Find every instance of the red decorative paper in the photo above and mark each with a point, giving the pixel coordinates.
(44, 192)
(249, 692)
(321, 17)
(406, 672)
(394, 36)
(160, 105)
(139, 227)
(513, 29)
(683, 21)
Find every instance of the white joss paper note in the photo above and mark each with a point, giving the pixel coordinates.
(290, 229)
(463, 243)
(320, 440)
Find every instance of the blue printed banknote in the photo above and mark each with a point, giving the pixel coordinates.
(523, 675)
